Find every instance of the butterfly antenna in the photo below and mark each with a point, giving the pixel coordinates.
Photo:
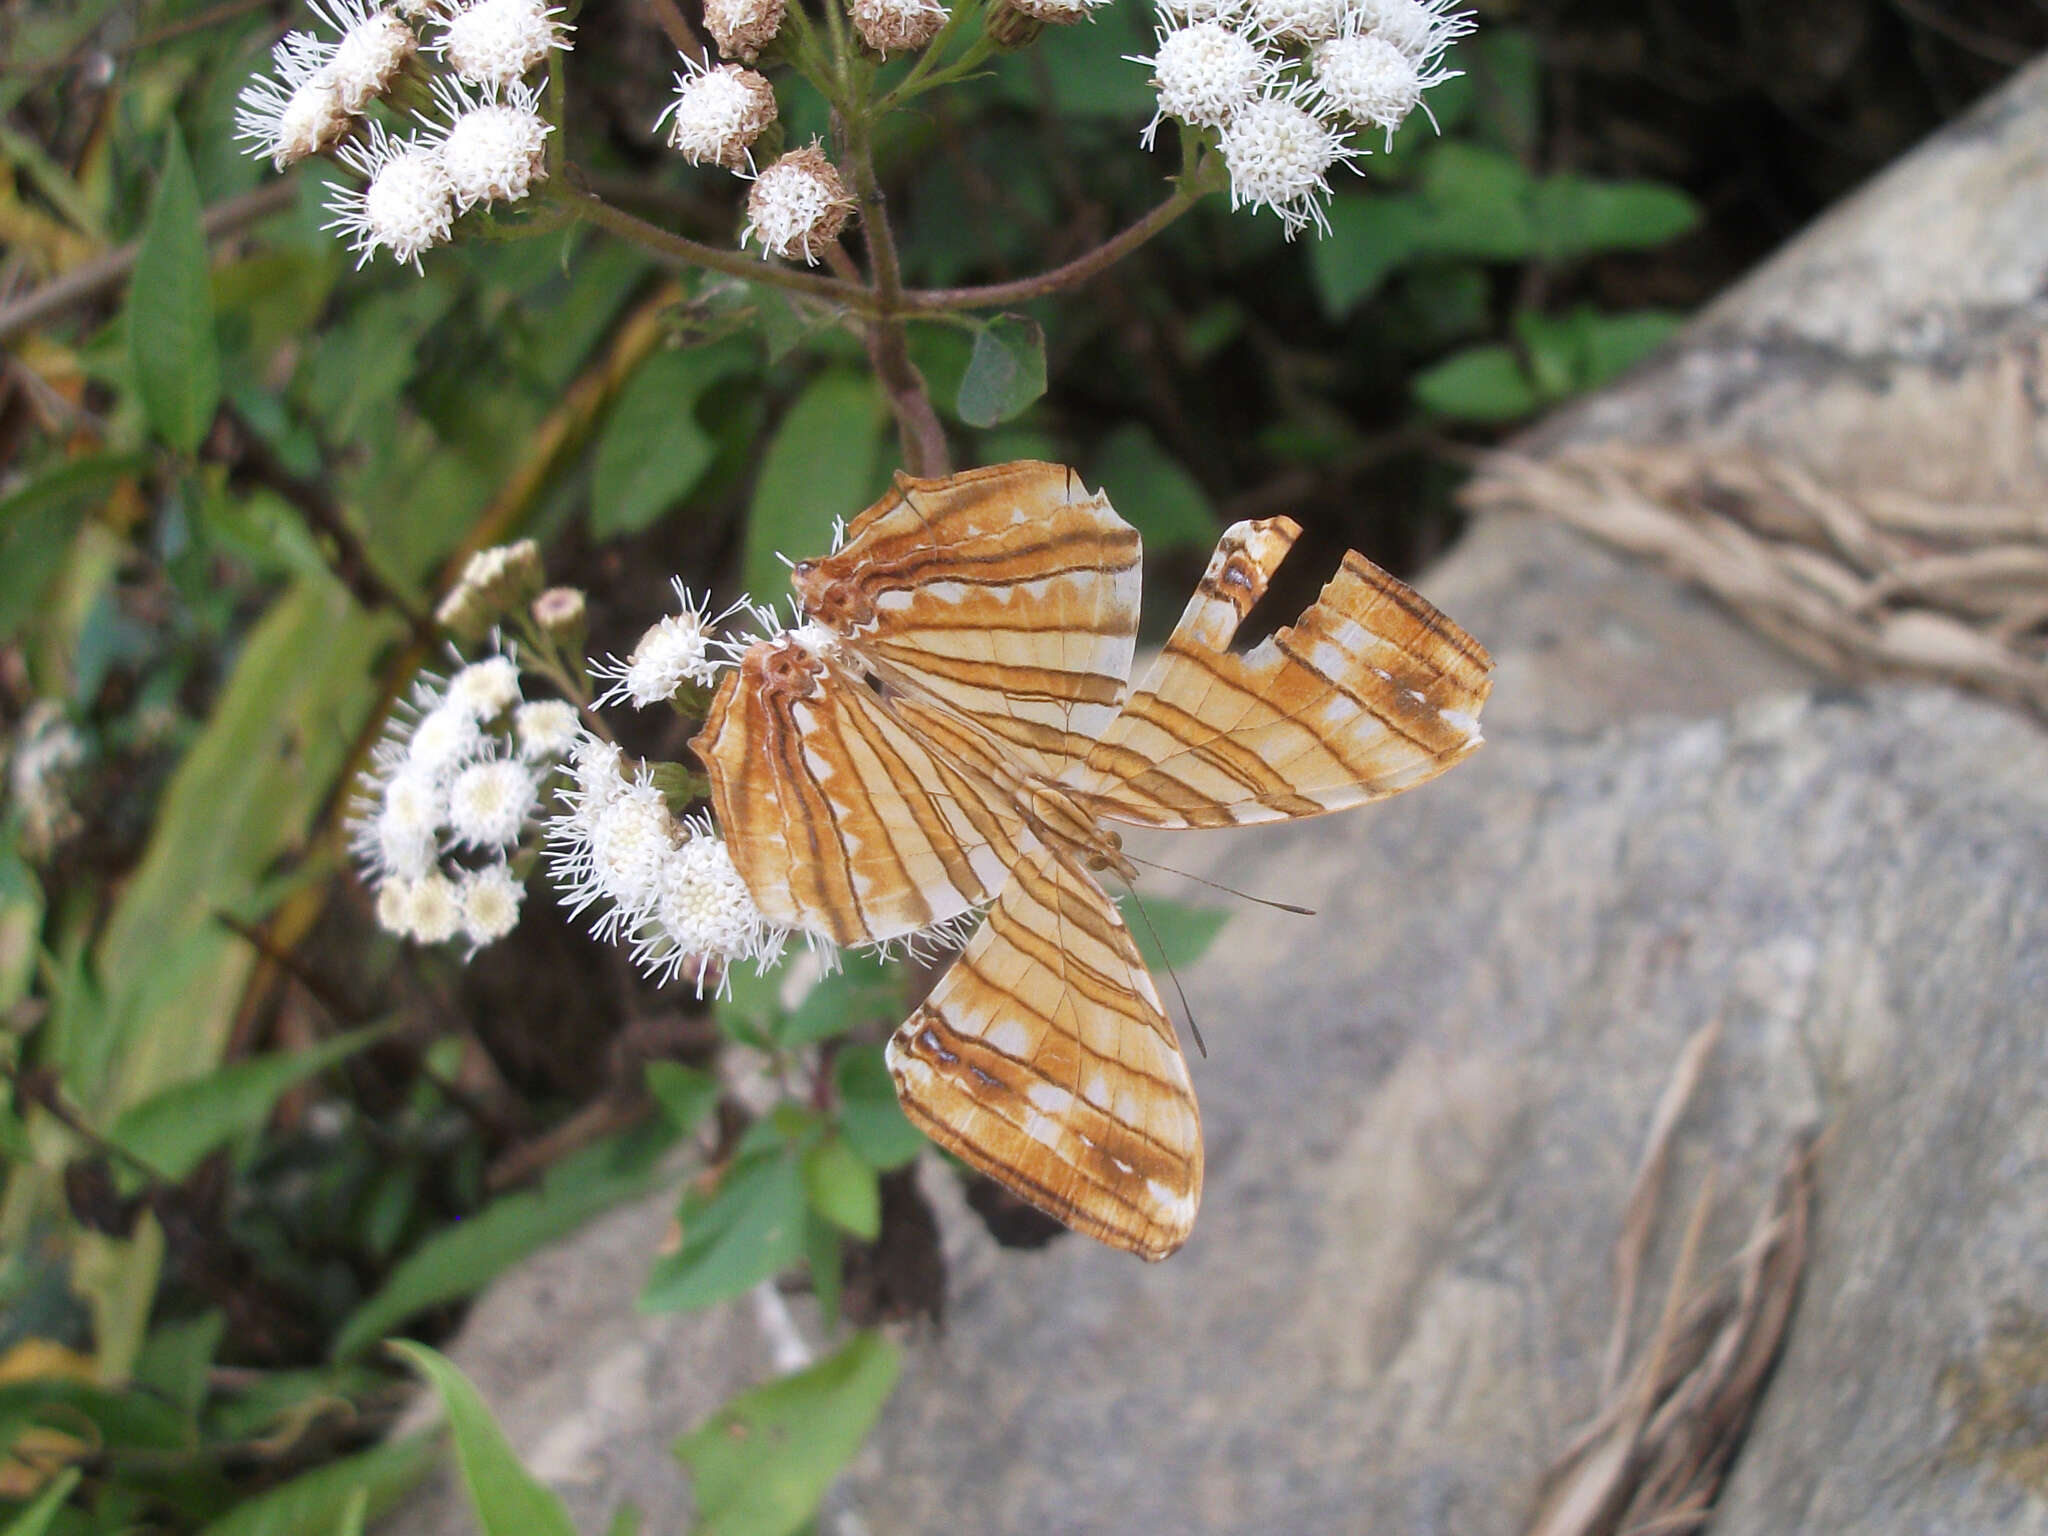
(1172, 975)
(1228, 890)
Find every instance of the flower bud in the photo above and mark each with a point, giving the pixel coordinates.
(897, 26)
(558, 613)
(798, 206)
(742, 28)
(718, 114)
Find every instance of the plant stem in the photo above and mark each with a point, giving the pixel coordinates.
(925, 454)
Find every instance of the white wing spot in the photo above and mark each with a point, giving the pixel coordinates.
(1049, 1097)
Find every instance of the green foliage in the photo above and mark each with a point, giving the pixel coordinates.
(323, 1502)
(507, 1501)
(1154, 494)
(654, 452)
(820, 463)
(170, 310)
(762, 1463)
(1553, 360)
(1005, 373)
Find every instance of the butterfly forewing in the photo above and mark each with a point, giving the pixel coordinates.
(1370, 692)
(1044, 1059)
(846, 816)
(1009, 595)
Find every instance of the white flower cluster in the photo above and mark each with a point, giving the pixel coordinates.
(677, 649)
(483, 143)
(449, 799)
(664, 885)
(1284, 84)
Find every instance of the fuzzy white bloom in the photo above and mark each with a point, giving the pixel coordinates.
(1204, 73)
(611, 844)
(893, 26)
(373, 47)
(497, 43)
(1185, 13)
(489, 899)
(488, 803)
(702, 909)
(1279, 154)
(433, 912)
(1058, 13)
(495, 146)
(798, 206)
(676, 650)
(300, 112)
(493, 581)
(46, 748)
(486, 688)
(394, 907)
(545, 729)
(1298, 21)
(1369, 80)
(742, 28)
(717, 114)
(446, 737)
(408, 204)
(1422, 29)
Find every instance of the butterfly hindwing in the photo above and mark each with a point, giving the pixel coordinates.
(1044, 1059)
(1369, 692)
(1009, 595)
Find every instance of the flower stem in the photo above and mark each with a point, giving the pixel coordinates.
(923, 438)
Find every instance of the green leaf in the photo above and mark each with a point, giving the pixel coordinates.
(314, 1503)
(1171, 934)
(1477, 204)
(36, 1518)
(1613, 344)
(654, 451)
(38, 522)
(1507, 71)
(1148, 487)
(464, 1258)
(176, 1359)
(507, 1500)
(1478, 384)
(174, 1128)
(685, 1094)
(764, 1461)
(1573, 215)
(750, 1229)
(170, 310)
(868, 1115)
(820, 464)
(864, 990)
(626, 1521)
(842, 1188)
(1370, 237)
(118, 1420)
(1005, 371)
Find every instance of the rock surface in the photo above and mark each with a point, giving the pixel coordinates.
(1424, 1106)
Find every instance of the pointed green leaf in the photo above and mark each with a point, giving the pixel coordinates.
(864, 990)
(685, 1094)
(819, 465)
(36, 1518)
(1151, 491)
(654, 451)
(763, 1462)
(506, 1499)
(170, 310)
(749, 1230)
(1005, 371)
(868, 1115)
(1478, 384)
(842, 1188)
(315, 1501)
(173, 1129)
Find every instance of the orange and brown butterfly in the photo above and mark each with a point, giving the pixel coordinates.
(952, 725)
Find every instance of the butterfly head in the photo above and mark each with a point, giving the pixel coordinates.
(784, 666)
(832, 598)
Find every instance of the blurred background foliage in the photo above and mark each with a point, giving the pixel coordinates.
(248, 1137)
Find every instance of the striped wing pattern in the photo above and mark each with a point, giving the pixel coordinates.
(1370, 692)
(951, 726)
(847, 817)
(1008, 595)
(1044, 1059)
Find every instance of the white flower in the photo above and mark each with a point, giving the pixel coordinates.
(596, 771)
(674, 651)
(489, 899)
(1057, 13)
(718, 113)
(798, 206)
(373, 47)
(1306, 21)
(489, 802)
(1279, 154)
(493, 581)
(300, 113)
(546, 728)
(486, 688)
(1204, 73)
(892, 26)
(1421, 29)
(497, 43)
(394, 907)
(1188, 12)
(611, 844)
(46, 748)
(408, 204)
(446, 737)
(1371, 81)
(702, 908)
(433, 915)
(742, 28)
(494, 148)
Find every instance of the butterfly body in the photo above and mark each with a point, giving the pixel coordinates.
(951, 729)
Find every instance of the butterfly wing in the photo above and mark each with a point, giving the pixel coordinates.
(848, 815)
(1044, 1059)
(1370, 692)
(1007, 594)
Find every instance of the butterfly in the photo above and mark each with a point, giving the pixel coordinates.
(950, 729)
